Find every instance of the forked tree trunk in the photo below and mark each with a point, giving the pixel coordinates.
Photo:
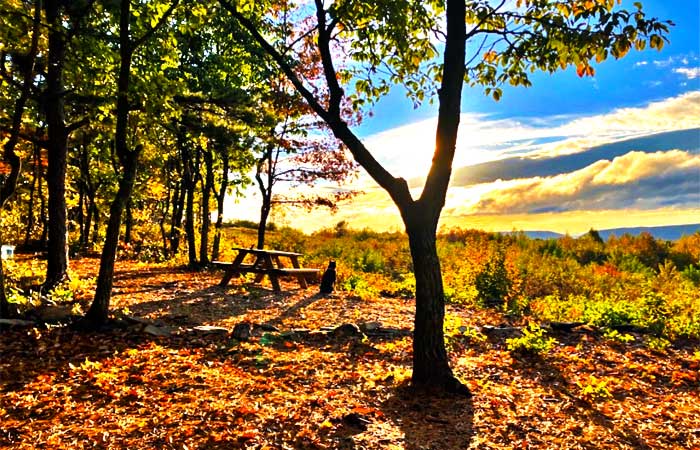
(430, 362)
(98, 313)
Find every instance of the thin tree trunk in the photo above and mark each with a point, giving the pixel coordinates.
(220, 198)
(128, 221)
(57, 259)
(9, 185)
(163, 217)
(264, 214)
(178, 213)
(189, 226)
(206, 215)
(98, 313)
(265, 166)
(36, 175)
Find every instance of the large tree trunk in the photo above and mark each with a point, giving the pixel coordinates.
(430, 363)
(57, 263)
(98, 313)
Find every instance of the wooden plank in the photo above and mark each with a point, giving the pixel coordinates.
(297, 271)
(257, 251)
(278, 272)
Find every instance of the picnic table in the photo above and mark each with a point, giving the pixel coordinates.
(266, 262)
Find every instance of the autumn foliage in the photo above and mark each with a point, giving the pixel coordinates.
(626, 378)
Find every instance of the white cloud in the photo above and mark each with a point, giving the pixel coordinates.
(407, 150)
(636, 179)
(690, 73)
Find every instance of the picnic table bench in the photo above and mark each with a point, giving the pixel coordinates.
(266, 262)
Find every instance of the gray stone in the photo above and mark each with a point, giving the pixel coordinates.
(211, 329)
(370, 326)
(157, 331)
(54, 313)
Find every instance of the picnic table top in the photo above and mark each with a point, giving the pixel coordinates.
(260, 251)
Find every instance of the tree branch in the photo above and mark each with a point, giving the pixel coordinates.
(138, 42)
(396, 187)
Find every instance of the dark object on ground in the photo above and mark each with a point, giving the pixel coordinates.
(347, 330)
(328, 279)
(242, 331)
(356, 420)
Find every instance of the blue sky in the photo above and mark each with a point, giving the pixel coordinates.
(618, 83)
(618, 149)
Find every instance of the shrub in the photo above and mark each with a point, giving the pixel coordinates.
(493, 282)
(594, 389)
(692, 274)
(532, 342)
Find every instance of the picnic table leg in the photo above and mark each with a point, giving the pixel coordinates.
(273, 278)
(231, 272)
(301, 277)
(259, 263)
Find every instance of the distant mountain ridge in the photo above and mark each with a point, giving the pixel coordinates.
(666, 232)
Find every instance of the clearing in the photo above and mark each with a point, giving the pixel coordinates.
(303, 388)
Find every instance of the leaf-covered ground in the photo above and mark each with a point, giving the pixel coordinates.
(125, 388)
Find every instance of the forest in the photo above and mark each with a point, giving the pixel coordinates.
(126, 125)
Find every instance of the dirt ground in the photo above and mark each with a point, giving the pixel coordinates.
(300, 388)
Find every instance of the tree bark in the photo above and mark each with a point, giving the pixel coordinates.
(189, 227)
(128, 221)
(430, 362)
(9, 185)
(189, 183)
(206, 216)
(57, 259)
(220, 197)
(265, 188)
(36, 173)
(176, 221)
(98, 313)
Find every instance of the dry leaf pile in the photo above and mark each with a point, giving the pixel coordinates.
(301, 388)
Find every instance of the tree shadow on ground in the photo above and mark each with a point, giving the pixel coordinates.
(430, 420)
(211, 304)
(542, 371)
